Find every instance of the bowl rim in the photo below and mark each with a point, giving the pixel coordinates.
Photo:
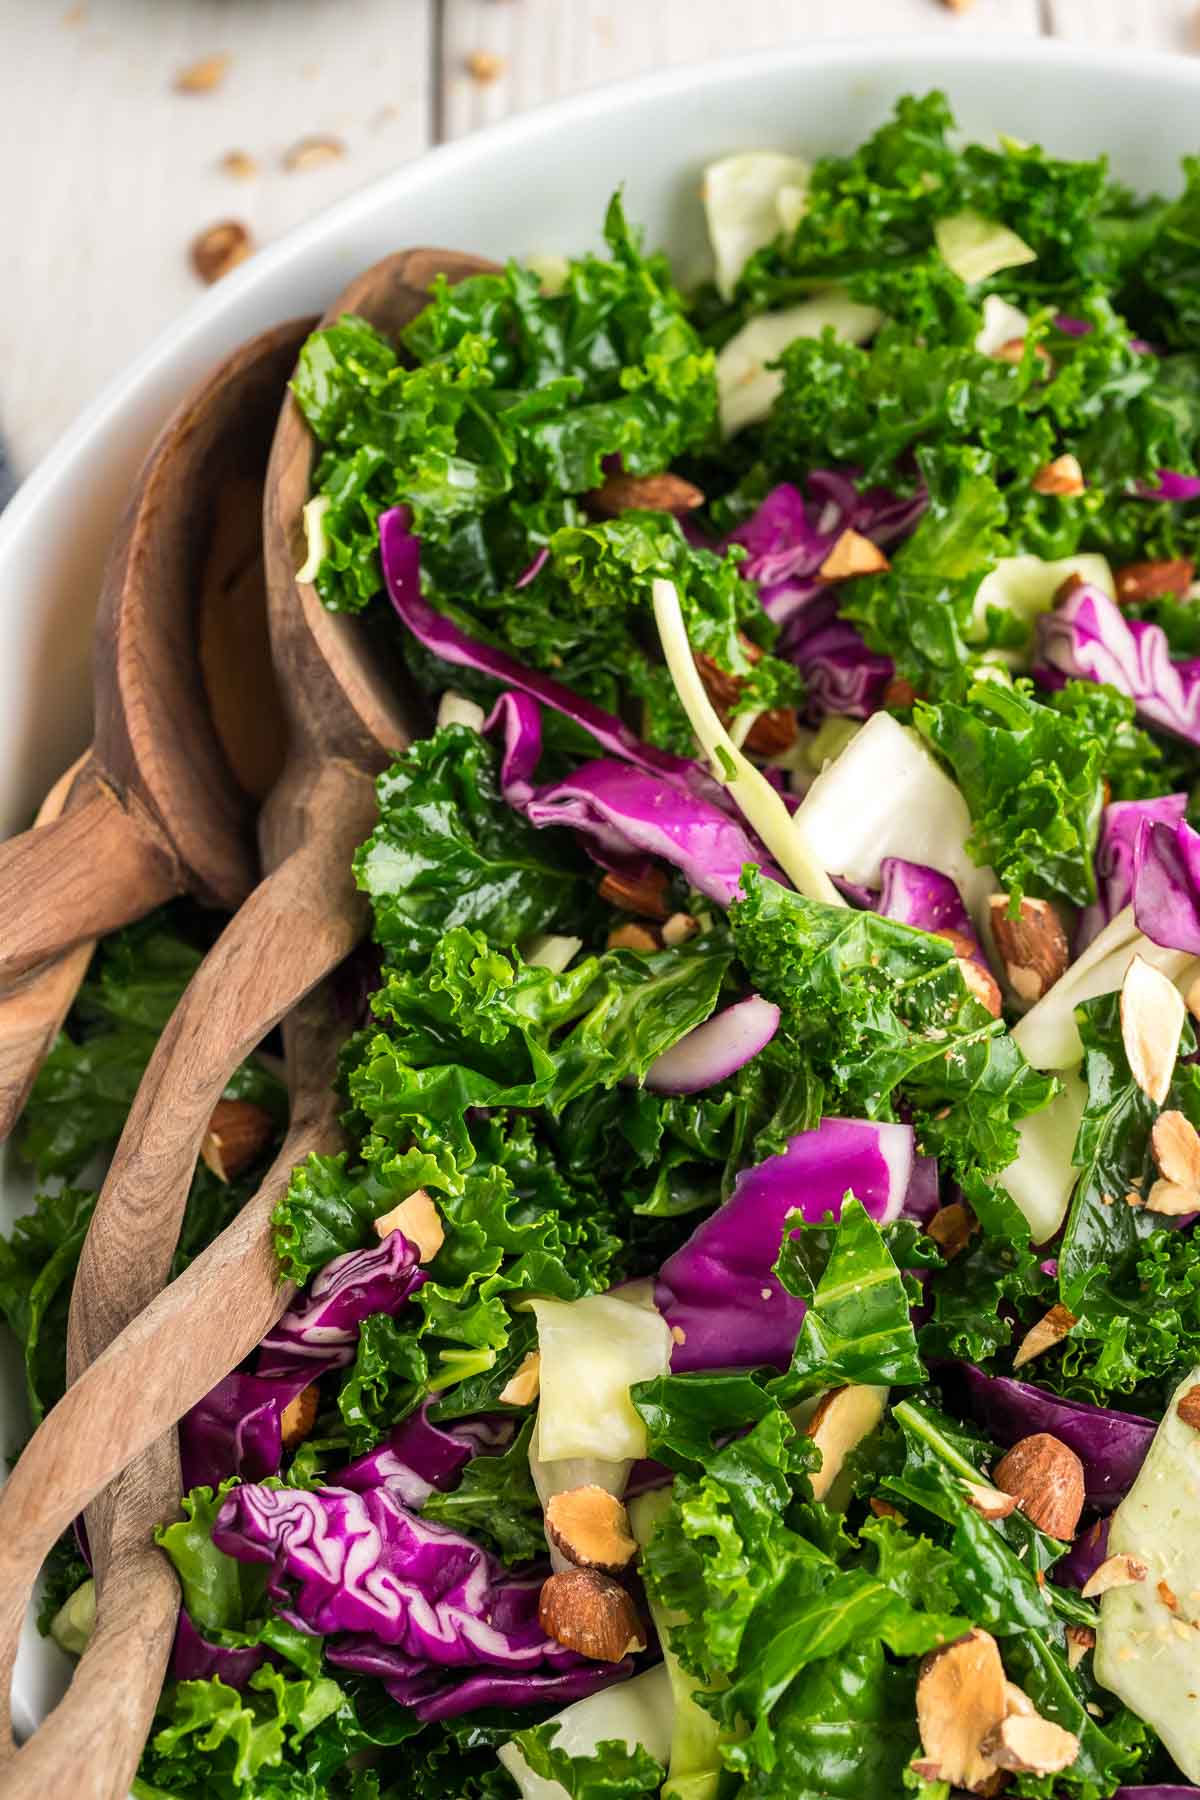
(892, 50)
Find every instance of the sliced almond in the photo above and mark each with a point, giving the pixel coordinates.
(1048, 1331)
(240, 164)
(220, 248)
(952, 1228)
(484, 66)
(988, 1501)
(843, 1418)
(981, 984)
(632, 937)
(883, 1509)
(642, 894)
(592, 1614)
(1147, 580)
(313, 153)
(1013, 351)
(1025, 1744)
(772, 732)
(644, 493)
(1151, 1021)
(678, 929)
(853, 554)
(1176, 1145)
(961, 1698)
(1174, 1201)
(1080, 1639)
(1033, 946)
(299, 1416)
(1018, 1701)
(1045, 1478)
(522, 1388)
(1192, 998)
(239, 1132)
(1114, 1572)
(591, 1528)
(419, 1220)
(203, 76)
(1189, 1408)
(1062, 477)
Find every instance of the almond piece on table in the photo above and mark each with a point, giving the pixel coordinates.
(1114, 1572)
(1028, 1745)
(419, 1220)
(644, 493)
(961, 1698)
(1147, 580)
(1152, 1015)
(853, 554)
(299, 1416)
(522, 1388)
(219, 248)
(1045, 1478)
(238, 1134)
(952, 1228)
(1048, 1331)
(591, 1528)
(644, 894)
(1032, 947)
(1063, 477)
(203, 76)
(1176, 1145)
(590, 1613)
(1189, 1408)
(1080, 1639)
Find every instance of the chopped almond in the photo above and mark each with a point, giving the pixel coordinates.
(773, 731)
(313, 153)
(952, 1228)
(899, 693)
(883, 1509)
(1176, 1145)
(592, 1614)
(1032, 947)
(643, 894)
(203, 76)
(1172, 1200)
(678, 929)
(1189, 1408)
(1045, 1478)
(853, 554)
(1192, 998)
(981, 984)
(1029, 1745)
(644, 493)
(632, 937)
(420, 1221)
(1114, 1572)
(1080, 1639)
(1148, 580)
(1167, 1595)
(239, 1132)
(1018, 1701)
(961, 1698)
(484, 66)
(591, 1528)
(1062, 477)
(1151, 1021)
(299, 1416)
(988, 1501)
(1013, 351)
(843, 1418)
(1048, 1331)
(522, 1388)
(220, 248)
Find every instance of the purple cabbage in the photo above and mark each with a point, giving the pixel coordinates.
(1171, 486)
(235, 1429)
(1081, 1561)
(1158, 1792)
(1117, 857)
(715, 1050)
(841, 674)
(428, 1692)
(621, 812)
(1166, 885)
(915, 894)
(717, 1290)
(193, 1658)
(418, 1456)
(342, 1561)
(1111, 1445)
(1087, 636)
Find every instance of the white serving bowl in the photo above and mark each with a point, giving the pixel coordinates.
(536, 183)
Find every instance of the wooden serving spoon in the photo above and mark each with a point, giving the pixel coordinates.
(166, 800)
(347, 722)
(117, 1420)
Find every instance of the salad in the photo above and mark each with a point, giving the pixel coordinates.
(750, 1343)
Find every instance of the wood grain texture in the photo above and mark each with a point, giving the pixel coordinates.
(548, 48)
(219, 1308)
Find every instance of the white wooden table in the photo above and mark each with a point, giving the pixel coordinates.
(111, 171)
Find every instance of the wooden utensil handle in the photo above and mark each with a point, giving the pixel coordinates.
(99, 865)
(220, 1307)
(32, 1011)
